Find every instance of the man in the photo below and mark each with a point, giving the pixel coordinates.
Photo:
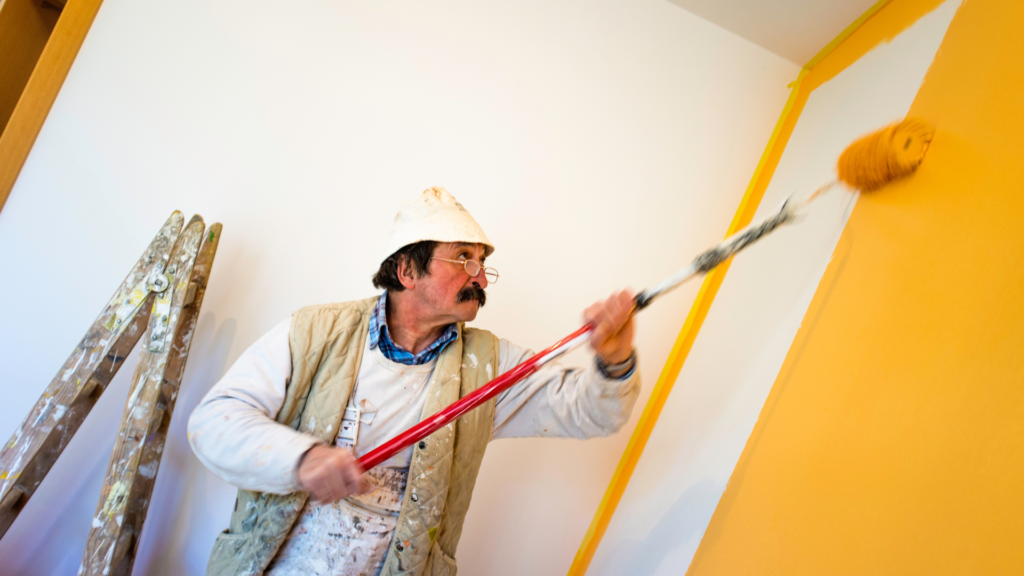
(331, 380)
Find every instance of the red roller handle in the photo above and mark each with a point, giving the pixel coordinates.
(431, 424)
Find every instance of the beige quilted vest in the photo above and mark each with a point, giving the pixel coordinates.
(327, 344)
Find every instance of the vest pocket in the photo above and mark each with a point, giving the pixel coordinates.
(226, 557)
(440, 564)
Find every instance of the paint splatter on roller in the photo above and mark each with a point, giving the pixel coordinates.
(866, 165)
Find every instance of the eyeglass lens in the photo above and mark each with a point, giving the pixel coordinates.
(473, 268)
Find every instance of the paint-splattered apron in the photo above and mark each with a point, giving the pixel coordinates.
(347, 538)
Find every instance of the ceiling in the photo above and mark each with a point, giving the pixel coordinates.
(793, 29)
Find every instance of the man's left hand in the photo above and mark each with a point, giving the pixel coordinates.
(613, 327)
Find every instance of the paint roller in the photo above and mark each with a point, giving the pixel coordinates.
(868, 164)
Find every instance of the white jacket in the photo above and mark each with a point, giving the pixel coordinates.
(233, 428)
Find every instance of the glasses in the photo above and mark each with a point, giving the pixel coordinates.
(473, 268)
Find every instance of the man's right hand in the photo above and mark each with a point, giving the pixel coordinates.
(329, 474)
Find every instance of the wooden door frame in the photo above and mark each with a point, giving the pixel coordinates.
(42, 88)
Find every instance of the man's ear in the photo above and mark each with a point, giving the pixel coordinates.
(406, 275)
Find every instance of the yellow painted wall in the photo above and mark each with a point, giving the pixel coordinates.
(893, 439)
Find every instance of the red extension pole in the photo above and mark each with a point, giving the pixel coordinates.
(431, 424)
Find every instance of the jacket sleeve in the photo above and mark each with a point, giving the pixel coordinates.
(233, 431)
(562, 402)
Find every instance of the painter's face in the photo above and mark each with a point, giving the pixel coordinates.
(449, 289)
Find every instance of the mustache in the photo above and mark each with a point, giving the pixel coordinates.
(472, 292)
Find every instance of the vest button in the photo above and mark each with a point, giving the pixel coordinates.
(423, 445)
(399, 547)
(415, 498)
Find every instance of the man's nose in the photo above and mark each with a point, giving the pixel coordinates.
(480, 279)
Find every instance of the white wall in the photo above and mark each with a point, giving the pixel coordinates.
(600, 144)
(736, 358)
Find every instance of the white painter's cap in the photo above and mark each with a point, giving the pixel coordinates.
(435, 215)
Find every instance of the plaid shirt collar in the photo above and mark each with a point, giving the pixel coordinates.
(379, 336)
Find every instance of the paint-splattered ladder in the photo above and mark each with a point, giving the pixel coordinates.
(158, 302)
